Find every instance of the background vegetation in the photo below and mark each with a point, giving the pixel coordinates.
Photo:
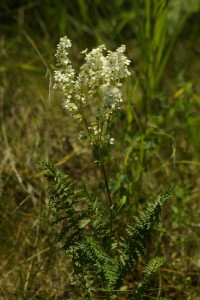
(158, 130)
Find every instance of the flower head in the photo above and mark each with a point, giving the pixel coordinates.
(94, 89)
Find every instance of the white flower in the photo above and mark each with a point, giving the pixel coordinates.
(94, 90)
(112, 140)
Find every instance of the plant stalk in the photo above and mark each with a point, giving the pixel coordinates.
(107, 189)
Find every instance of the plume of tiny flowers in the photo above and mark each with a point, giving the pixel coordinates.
(94, 90)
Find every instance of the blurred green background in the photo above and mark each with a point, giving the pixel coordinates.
(158, 130)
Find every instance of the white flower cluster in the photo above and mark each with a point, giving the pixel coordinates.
(95, 88)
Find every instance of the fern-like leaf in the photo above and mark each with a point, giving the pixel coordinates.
(84, 230)
(152, 267)
(139, 235)
(85, 233)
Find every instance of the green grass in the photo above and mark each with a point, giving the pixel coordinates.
(159, 130)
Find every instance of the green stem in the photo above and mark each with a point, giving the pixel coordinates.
(107, 188)
(106, 182)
